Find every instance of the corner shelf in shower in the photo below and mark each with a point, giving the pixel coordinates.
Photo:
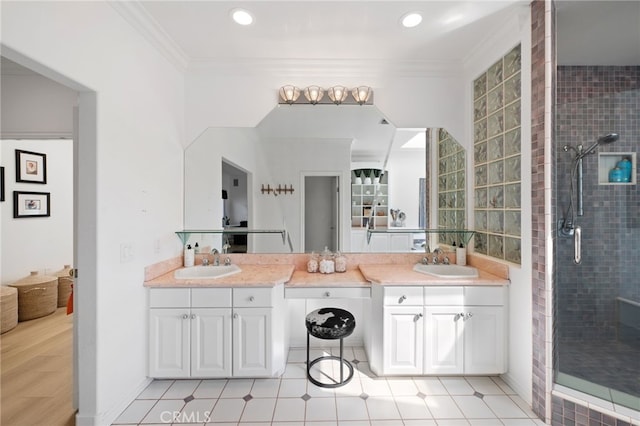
(608, 160)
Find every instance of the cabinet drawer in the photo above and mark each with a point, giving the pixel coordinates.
(440, 296)
(487, 296)
(211, 297)
(403, 296)
(252, 297)
(328, 293)
(169, 297)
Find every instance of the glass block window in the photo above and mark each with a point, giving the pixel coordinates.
(451, 186)
(496, 158)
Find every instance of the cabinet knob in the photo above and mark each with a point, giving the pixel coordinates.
(327, 294)
(417, 317)
(185, 316)
(402, 298)
(193, 316)
(235, 316)
(251, 299)
(468, 316)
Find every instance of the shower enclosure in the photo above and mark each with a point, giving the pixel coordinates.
(597, 294)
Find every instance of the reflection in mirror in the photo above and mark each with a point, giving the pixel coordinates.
(291, 144)
(451, 187)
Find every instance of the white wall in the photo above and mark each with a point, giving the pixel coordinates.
(35, 107)
(43, 244)
(129, 175)
(517, 30)
(406, 167)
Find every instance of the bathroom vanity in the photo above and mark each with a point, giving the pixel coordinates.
(409, 323)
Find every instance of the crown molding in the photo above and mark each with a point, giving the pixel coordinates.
(339, 68)
(137, 16)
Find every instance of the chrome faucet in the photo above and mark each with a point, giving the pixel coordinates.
(216, 257)
(436, 252)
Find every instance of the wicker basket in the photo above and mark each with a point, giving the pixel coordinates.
(64, 285)
(37, 296)
(8, 308)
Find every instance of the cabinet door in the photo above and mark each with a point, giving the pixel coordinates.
(484, 344)
(169, 343)
(444, 344)
(403, 340)
(252, 342)
(211, 342)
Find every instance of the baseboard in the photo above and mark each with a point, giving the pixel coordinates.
(107, 418)
(522, 390)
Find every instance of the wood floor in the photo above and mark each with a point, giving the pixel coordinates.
(37, 372)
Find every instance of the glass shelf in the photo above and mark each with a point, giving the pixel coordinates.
(184, 235)
(465, 234)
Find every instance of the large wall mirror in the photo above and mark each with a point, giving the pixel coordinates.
(294, 172)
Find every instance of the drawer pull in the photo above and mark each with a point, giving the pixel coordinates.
(327, 294)
(402, 298)
(251, 299)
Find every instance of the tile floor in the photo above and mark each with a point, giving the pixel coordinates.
(292, 400)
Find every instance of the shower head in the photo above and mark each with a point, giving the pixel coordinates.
(611, 137)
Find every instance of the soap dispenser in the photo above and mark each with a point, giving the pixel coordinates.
(189, 256)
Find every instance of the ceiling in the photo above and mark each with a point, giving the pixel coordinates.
(337, 30)
(598, 32)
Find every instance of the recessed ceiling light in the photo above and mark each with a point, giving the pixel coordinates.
(411, 20)
(242, 17)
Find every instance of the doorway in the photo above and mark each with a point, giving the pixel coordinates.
(235, 206)
(321, 213)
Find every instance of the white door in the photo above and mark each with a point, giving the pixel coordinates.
(444, 342)
(484, 344)
(211, 342)
(320, 213)
(169, 343)
(252, 342)
(403, 340)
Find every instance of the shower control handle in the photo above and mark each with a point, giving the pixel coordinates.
(577, 245)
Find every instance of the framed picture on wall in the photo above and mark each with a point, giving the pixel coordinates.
(1, 183)
(31, 204)
(31, 167)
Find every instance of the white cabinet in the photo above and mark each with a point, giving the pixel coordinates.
(438, 330)
(169, 339)
(216, 332)
(211, 342)
(444, 346)
(252, 342)
(403, 337)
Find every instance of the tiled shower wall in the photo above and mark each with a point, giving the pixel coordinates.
(540, 393)
(591, 102)
(555, 410)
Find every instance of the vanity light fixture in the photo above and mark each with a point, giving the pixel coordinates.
(338, 94)
(362, 94)
(410, 20)
(314, 94)
(241, 17)
(289, 94)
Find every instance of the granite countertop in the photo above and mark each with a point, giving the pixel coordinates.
(350, 278)
(250, 276)
(405, 275)
(358, 275)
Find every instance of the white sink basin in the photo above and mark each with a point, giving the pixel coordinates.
(447, 271)
(207, 271)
